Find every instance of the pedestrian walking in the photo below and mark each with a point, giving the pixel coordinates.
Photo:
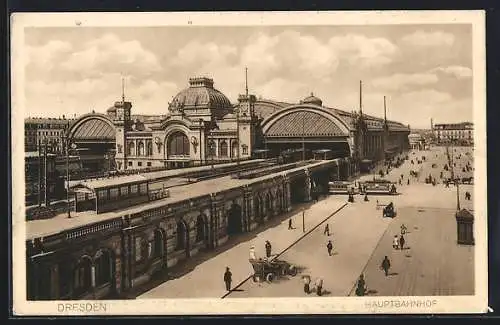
(386, 265)
(329, 247)
(252, 254)
(400, 182)
(401, 242)
(361, 286)
(366, 197)
(307, 284)
(290, 224)
(408, 181)
(268, 249)
(395, 242)
(327, 230)
(403, 229)
(319, 286)
(228, 279)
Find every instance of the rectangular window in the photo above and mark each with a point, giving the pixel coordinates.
(130, 164)
(149, 164)
(133, 189)
(139, 163)
(102, 194)
(124, 191)
(138, 249)
(143, 189)
(245, 149)
(113, 193)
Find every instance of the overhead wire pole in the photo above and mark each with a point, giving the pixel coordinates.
(67, 175)
(39, 173)
(45, 194)
(303, 137)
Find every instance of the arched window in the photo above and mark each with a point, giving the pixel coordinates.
(234, 149)
(200, 229)
(103, 266)
(211, 148)
(149, 149)
(223, 149)
(157, 244)
(181, 235)
(131, 149)
(82, 276)
(140, 148)
(178, 144)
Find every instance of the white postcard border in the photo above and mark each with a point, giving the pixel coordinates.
(323, 305)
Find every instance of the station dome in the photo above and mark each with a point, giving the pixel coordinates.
(313, 100)
(201, 95)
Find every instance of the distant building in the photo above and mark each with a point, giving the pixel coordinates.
(417, 141)
(37, 130)
(457, 133)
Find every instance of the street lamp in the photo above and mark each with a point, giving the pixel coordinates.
(303, 221)
(73, 146)
(303, 137)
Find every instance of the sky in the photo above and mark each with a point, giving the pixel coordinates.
(425, 71)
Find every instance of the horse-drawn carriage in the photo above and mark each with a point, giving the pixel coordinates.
(270, 269)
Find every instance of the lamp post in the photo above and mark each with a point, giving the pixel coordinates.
(303, 221)
(303, 137)
(67, 177)
(68, 146)
(238, 138)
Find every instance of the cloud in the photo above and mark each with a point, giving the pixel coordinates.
(417, 107)
(401, 81)
(429, 39)
(283, 90)
(197, 53)
(289, 53)
(47, 56)
(456, 71)
(364, 51)
(110, 54)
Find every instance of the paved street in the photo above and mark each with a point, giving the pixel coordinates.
(433, 264)
(206, 279)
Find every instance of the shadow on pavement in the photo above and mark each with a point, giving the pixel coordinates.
(186, 266)
(393, 273)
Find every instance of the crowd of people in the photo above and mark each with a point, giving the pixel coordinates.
(399, 241)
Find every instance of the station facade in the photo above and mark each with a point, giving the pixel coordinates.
(203, 127)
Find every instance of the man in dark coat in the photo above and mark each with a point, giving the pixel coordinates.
(290, 224)
(268, 248)
(329, 247)
(327, 230)
(361, 286)
(386, 265)
(401, 242)
(408, 181)
(228, 278)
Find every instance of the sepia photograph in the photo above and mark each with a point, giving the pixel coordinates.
(301, 162)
